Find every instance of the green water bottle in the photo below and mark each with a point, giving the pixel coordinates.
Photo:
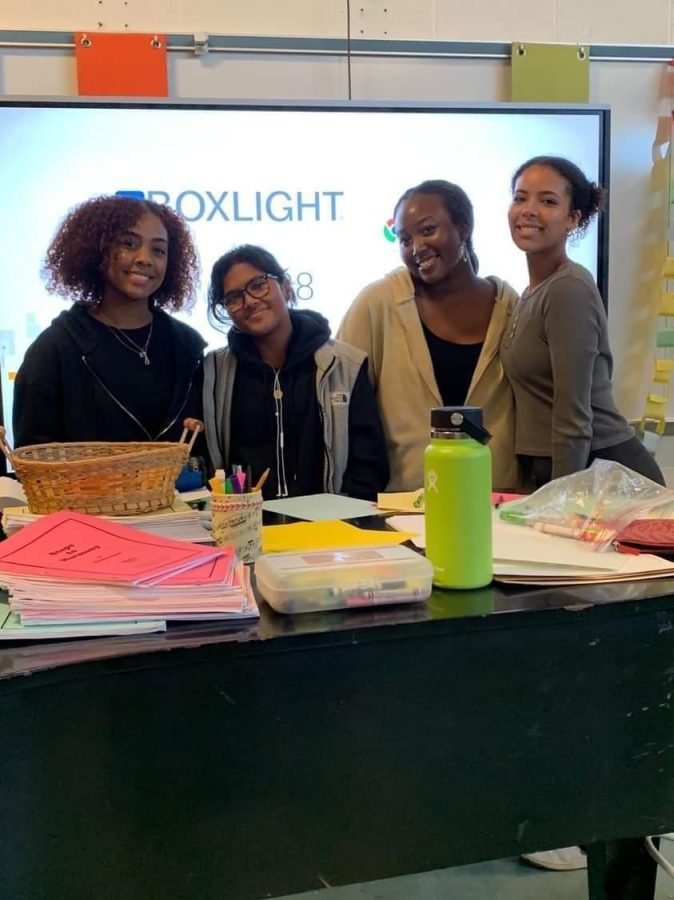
(457, 498)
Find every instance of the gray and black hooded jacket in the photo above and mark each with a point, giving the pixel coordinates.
(313, 422)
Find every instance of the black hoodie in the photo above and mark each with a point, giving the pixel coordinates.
(76, 383)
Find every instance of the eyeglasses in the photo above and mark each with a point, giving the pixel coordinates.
(257, 288)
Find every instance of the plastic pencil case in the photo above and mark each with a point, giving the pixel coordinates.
(337, 579)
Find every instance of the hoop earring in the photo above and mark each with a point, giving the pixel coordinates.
(464, 252)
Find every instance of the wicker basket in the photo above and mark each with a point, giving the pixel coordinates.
(114, 479)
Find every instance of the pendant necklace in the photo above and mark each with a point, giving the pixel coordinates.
(127, 341)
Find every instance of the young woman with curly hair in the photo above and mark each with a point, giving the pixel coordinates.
(115, 366)
(555, 350)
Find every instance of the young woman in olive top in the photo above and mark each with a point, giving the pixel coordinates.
(556, 352)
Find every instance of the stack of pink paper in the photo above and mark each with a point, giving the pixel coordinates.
(71, 568)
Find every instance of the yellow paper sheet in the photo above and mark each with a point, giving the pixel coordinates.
(330, 535)
(406, 501)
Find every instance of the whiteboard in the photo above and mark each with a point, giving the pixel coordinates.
(314, 184)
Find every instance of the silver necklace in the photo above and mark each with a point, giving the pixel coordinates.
(526, 295)
(127, 341)
(510, 332)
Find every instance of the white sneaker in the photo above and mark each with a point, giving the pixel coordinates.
(657, 856)
(563, 860)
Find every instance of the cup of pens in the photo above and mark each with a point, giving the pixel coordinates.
(237, 522)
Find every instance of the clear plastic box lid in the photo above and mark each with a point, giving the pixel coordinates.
(334, 579)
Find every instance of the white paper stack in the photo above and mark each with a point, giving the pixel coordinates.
(11, 493)
(179, 522)
(80, 573)
(523, 555)
(13, 629)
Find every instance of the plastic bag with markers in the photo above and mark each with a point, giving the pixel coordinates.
(593, 505)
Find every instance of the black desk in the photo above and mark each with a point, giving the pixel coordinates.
(341, 747)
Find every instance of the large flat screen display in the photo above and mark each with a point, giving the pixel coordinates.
(316, 185)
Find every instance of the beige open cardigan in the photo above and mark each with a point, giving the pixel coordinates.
(384, 322)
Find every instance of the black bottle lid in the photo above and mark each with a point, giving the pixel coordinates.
(460, 420)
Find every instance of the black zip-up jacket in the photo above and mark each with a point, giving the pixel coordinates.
(60, 392)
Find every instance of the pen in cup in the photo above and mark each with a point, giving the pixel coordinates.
(261, 480)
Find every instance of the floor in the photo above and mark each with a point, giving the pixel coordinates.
(503, 879)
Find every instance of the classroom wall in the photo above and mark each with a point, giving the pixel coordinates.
(635, 90)
(567, 21)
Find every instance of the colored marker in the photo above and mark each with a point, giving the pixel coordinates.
(215, 485)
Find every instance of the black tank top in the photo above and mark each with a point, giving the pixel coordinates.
(453, 366)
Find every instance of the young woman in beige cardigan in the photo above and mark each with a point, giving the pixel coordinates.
(431, 331)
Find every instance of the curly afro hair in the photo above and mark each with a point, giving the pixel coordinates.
(76, 260)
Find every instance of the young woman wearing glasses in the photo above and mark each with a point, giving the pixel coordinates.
(282, 395)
